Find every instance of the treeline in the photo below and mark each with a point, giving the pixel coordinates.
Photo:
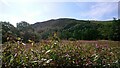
(92, 31)
(23, 32)
(76, 30)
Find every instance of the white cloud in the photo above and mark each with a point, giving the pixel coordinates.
(38, 10)
(97, 0)
(28, 11)
(4, 2)
(30, 1)
(99, 10)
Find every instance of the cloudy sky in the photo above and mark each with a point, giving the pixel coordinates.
(33, 11)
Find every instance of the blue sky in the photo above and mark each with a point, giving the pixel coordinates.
(33, 11)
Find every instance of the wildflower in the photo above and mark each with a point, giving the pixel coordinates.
(86, 64)
(47, 51)
(34, 61)
(30, 41)
(18, 38)
(111, 53)
(96, 45)
(109, 64)
(15, 55)
(73, 61)
(31, 49)
(32, 44)
(43, 50)
(104, 65)
(48, 61)
(23, 44)
(96, 57)
(43, 59)
(18, 42)
(99, 64)
(55, 43)
(27, 57)
(8, 38)
(116, 61)
(67, 55)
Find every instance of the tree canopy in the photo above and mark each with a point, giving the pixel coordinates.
(78, 30)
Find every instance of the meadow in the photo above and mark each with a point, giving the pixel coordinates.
(60, 42)
(52, 53)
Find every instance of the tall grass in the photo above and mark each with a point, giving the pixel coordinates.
(56, 52)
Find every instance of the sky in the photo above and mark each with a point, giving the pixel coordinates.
(32, 11)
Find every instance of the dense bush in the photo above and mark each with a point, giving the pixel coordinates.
(56, 52)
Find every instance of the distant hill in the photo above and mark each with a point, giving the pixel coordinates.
(70, 27)
(60, 23)
(66, 28)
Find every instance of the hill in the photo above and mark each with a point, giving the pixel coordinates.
(65, 28)
(66, 25)
(60, 23)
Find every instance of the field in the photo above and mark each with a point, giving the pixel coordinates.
(53, 53)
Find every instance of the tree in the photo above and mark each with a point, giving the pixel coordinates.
(116, 30)
(8, 31)
(27, 32)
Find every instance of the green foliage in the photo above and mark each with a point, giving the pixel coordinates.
(26, 32)
(23, 26)
(92, 30)
(82, 31)
(66, 28)
(116, 30)
(8, 30)
(71, 39)
(61, 53)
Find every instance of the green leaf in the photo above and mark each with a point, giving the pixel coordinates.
(12, 58)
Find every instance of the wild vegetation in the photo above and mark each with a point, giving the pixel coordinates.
(65, 28)
(61, 42)
(56, 52)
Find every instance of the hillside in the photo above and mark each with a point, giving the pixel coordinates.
(66, 28)
(65, 24)
(58, 24)
(52, 24)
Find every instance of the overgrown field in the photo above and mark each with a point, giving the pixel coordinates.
(53, 53)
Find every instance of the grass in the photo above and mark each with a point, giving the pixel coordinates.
(53, 53)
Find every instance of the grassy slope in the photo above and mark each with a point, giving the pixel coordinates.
(58, 24)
